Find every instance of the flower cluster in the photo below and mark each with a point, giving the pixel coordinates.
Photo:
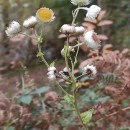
(43, 15)
(88, 38)
(92, 12)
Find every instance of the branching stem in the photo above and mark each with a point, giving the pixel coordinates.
(28, 35)
(75, 16)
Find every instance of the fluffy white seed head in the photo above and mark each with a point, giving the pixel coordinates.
(80, 2)
(93, 12)
(13, 29)
(79, 30)
(91, 40)
(30, 22)
(52, 77)
(51, 73)
(90, 70)
(67, 29)
(52, 68)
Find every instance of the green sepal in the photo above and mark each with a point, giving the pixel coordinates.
(40, 54)
(41, 90)
(39, 39)
(52, 64)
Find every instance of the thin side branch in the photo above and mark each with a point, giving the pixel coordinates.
(114, 113)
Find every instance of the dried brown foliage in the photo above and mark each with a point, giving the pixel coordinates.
(13, 113)
(118, 63)
(19, 115)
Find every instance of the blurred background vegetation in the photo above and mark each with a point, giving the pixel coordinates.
(118, 11)
(22, 51)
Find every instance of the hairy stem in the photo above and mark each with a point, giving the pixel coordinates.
(40, 50)
(72, 64)
(66, 60)
(77, 109)
(27, 35)
(42, 57)
(75, 59)
(62, 88)
(81, 75)
(47, 65)
(71, 73)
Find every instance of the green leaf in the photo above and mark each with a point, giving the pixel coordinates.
(98, 86)
(84, 79)
(21, 85)
(40, 54)
(109, 77)
(10, 128)
(69, 99)
(92, 95)
(125, 102)
(66, 122)
(26, 91)
(124, 128)
(26, 99)
(41, 90)
(101, 99)
(87, 116)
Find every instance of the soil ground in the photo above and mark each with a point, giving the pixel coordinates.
(9, 81)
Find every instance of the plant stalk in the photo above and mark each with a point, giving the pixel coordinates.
(42, 57)
(75, 16)
(77, 110)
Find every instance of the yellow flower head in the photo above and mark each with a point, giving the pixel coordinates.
(45, 15)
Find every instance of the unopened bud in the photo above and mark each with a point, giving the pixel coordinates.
(71, 49)
(79, 30)
(66, 69)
